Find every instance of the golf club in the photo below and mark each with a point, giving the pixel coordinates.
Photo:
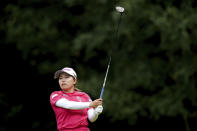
(120, 10)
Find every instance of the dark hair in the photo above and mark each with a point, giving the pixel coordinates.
(57, 74)
(77, 89)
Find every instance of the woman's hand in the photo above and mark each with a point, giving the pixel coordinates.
(96, 103)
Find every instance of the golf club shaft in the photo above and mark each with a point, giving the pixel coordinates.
(116, 40)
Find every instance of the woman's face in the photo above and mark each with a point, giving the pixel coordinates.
(67, 82)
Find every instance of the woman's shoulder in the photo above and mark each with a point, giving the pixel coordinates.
(81, 93)
(56, 92)
(84, 95)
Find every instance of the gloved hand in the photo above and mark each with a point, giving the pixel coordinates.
(98, 110)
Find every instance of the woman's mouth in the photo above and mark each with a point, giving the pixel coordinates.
(63, 84)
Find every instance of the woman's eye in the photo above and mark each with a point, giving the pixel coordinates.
(64, 77)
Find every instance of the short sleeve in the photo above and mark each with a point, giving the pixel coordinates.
(89, 99)
(54, 97)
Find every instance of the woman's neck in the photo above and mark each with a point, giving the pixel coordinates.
(69, 91)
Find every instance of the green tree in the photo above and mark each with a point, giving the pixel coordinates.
(154, 65)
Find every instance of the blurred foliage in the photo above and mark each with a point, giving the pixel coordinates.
(154, 67)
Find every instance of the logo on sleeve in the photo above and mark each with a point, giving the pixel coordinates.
(79, 98)
(54, 96)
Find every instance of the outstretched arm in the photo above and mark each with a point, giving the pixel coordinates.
(64, 103)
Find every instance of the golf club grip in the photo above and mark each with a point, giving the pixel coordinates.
(101, 95)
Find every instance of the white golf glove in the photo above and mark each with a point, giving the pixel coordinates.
(98, 110)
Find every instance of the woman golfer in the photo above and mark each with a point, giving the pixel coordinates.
(73, 108)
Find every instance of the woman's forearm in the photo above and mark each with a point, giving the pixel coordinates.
(73, 105)
(92, 116)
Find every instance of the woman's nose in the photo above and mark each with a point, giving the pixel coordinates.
(63, 80)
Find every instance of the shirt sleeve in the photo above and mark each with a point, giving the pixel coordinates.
(55, 96)
(92, 116)
(64, 103)
(93, 113)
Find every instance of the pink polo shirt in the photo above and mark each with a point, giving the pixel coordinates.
(70, 120)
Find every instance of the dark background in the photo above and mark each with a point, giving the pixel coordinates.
(152, 79)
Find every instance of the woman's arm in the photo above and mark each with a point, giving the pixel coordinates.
(93, 113)
(64, 103)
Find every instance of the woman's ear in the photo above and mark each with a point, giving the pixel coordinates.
(75, 80)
